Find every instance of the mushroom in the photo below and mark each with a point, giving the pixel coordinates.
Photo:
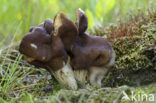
(67, 31)
(47, 51)
(92, 56)
(47, 25)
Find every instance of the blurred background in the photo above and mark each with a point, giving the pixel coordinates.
(17, 16)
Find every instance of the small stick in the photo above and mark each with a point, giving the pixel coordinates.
(27, 86)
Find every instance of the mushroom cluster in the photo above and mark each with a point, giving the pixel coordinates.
(64, 49)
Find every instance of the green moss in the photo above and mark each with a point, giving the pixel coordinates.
(136, 52)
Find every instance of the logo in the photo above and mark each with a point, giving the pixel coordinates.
(139, 96)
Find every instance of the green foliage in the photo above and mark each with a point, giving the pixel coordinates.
(27, 98)
(32, 12)
(134, 44)
(90, 18)
(153, 35)
(103, 7)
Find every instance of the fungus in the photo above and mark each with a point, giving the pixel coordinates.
(47, 51)
(91, 53)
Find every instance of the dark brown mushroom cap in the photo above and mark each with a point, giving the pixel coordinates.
(47, 52)
(89, 50)
(47, 25)
(81, 21)
(37, 44)
(66, 30)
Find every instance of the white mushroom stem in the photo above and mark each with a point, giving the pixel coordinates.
(65, 77)
(81, 76)
(112, 60)
(96, 74)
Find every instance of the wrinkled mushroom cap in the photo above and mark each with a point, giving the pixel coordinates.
(37, 44)
(47, 25)
(42, 49)
(89, 50)
(81, 21)
(66, 30)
